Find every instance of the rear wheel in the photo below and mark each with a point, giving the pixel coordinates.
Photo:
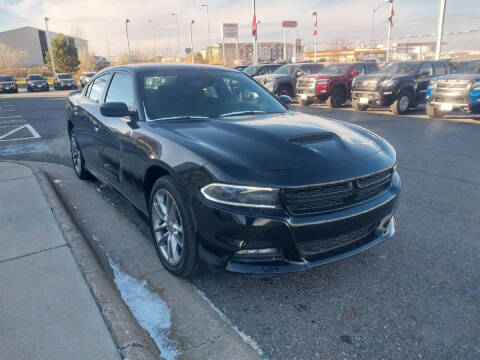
(403, 102)
(172, 229)
(284, 90)
(358, 107)
(77, 158)
(337, 97)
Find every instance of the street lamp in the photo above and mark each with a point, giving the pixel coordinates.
(154, 39)
(373, 16)
(178, 38)
(128, 40)
(441, 19)
(209, 39)
(191, 40)
(314, 14)
(50, 46)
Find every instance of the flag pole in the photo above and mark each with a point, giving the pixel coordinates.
(254, 34)
(390, 24)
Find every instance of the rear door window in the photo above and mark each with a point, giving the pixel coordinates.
(440, 69)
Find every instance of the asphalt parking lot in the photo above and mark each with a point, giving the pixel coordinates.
(416, 296)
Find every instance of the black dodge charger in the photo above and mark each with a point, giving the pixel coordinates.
(228, 174)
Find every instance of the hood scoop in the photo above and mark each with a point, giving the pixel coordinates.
(310, 139)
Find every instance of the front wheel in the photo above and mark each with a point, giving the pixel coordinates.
(403, 102)
(284, 91)
(336, 98)
(77, 158)
(172, 229)
(358, 107)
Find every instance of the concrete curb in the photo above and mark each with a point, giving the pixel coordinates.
(131, 339)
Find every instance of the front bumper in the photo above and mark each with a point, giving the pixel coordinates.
(223, 232)
(42, 87)
(380, 98)
(454, 103)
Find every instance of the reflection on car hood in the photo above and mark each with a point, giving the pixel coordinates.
(273, 141)
(474, 77)
(382, 77)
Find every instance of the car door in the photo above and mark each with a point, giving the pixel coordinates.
(115, 132)
(423, 76)
(88, 113)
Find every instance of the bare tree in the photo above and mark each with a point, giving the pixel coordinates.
(10, 58)
(87, 61)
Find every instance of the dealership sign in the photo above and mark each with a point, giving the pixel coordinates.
(289, 24)
(229, 30)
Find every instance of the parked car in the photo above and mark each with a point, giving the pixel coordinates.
(283, 81)
(101, 62)
(256, 70)
(64, 81)
(228, 174)
(85, 78)
(37, 82)
(240, 67)
(400, 85)
(332, 84)
(456, 94)
(8, 84)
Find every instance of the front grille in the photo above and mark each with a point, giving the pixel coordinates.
(455, 85)
(315, 247)
(366, 84)
(457, 99)
(331, 197)
(306, 83)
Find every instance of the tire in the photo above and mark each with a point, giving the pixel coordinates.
(433, 113)
(77, 159)
(306, 102)
(171, 220)
(284, 90)
(28, 89)
(402, 103)
(337, 97)
(357, 107)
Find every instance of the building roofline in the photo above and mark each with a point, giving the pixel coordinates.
(34, 28)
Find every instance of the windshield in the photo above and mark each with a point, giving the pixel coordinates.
(469, 68)
(336, 69)
(187, 92)
(6, 78)
(35, 77)
(399, 68)
(285, 69)
(64, 76)
(251, 70)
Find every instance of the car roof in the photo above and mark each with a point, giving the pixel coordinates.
(136, 68)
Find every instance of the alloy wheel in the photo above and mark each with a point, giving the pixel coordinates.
(76, 155)
(404, 103)
(167, 226)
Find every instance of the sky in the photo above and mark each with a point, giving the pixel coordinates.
(100, 21)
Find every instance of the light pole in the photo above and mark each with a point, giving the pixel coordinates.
(209, 39)
(191, 41)
(257, 43)
(254, 34)
(441, 19)
(128, 40)
(389, 28)
(50, 46)
(315, 30)
(154, 39)
(178, 38)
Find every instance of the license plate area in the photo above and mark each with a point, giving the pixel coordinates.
(363, 100)
(446, 107)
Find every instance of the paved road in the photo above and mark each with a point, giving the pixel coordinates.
(414, 297)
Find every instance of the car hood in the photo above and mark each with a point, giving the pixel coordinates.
(273, 141)
(471, 77)
(7, 82)
(382, 77)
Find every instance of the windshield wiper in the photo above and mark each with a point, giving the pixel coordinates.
(243, 113)
(183, 117)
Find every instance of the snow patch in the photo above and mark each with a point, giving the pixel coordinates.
(247, 339)
(151, 312)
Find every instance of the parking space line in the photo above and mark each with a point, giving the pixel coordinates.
(35, 134)
(10, 117)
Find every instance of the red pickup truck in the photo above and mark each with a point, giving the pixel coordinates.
(333, 84)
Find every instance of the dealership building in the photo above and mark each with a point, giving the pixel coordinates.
(33, 42)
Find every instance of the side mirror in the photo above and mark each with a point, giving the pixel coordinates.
(285, 99)
(355, 73)
(299, 73)
(115, 109)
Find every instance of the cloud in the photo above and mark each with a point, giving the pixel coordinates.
(338, 20)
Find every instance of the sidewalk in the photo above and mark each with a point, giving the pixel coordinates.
(46, 308)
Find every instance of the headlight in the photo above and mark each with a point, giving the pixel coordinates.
(246, 196)
(388, 83)
(476, 85)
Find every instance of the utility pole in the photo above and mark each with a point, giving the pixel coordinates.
(178, 38)
(441, 20)
(191, 41)
(108, 51)
(50, 46)
(389, 29)
(154, 39)
(209, 38)
(128, 40)
(315, 31)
